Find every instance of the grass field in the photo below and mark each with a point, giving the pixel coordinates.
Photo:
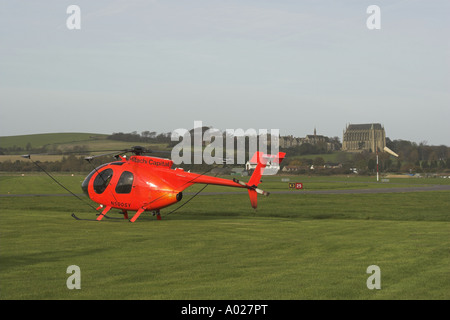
(90, 143)
(40, 140)
(295, 246)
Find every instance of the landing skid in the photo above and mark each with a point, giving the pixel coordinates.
(83, 219)
(157, 213)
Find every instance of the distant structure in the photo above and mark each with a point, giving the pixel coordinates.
(314, 139)
(360, 137)
(270, 169)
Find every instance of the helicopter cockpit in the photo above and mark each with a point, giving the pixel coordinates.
(103, 178)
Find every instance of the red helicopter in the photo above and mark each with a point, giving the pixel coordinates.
(144, 183)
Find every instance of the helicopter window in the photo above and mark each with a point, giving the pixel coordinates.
(125, 183)
(102, 180)
(85, 184)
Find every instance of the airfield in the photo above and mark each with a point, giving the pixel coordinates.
(313, 243)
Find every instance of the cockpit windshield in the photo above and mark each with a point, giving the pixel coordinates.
(85, 184)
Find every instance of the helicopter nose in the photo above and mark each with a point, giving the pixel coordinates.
(85, 184)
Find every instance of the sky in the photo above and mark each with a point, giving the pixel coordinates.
(138, 65)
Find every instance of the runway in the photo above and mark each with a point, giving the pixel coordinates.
(293, 192)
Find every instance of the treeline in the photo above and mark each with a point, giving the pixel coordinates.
(413, 158)
(73, 163)
(144, 137)
(412, 152)
(152, 137)
(69, 163)
(307, 149)
(46, 149)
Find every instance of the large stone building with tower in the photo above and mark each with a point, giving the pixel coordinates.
(360, 137)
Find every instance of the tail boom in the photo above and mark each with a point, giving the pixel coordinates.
(262, 161)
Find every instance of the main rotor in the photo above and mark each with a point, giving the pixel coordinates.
(139, 150)
(136, 150)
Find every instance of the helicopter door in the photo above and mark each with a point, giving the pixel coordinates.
(102, 181)
(125, 183)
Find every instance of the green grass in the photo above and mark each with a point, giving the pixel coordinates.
(39, 183)
(328, 157)
(295, 246)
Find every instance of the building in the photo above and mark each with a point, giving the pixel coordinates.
(360, 137)
(270, 169)
(315, 139)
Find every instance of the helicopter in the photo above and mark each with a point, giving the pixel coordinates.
(145, 183)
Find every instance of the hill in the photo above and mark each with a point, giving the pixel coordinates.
(56, 142)
(44, 139)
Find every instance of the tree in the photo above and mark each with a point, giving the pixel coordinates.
(318, 161)
(306, 148)
(413, 156)
(399, 165)
(295, 162)
(372, 164)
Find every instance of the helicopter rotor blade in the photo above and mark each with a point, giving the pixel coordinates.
(115, 153)
(137, 150)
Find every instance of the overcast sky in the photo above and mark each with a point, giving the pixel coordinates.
(287, 65)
